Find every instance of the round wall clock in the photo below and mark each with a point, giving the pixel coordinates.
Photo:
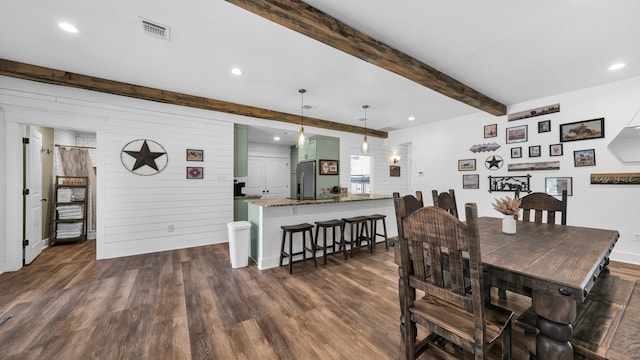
(144, 157)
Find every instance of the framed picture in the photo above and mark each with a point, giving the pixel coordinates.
(544, 126)
(555, 150)
(195, 172)
(467, 165)
(584, 158)
(394, 170)
(534, 151)
(582, 130)
(517, 134)
(516, 152)
(543, 110)
(328, 167)
(555, 185)
(195, 155)
(471, 181)
(490, 131)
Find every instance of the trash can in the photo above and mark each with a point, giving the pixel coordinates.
(239, 235)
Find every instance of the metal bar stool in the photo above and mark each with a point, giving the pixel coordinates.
(373, 221)
(292, 229)
(332, 224)
(358, 225)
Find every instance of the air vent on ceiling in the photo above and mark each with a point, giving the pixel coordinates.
(156, 30)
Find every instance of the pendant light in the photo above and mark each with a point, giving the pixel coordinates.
(365, 143)
(302, 140)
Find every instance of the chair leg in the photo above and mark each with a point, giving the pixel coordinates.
(502, 294)
(506, 342)
(290, 253)
(313, 247)
(384, 228)
(284, 238)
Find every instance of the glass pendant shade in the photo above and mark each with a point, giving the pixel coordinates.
(365, 143)
(302, 140)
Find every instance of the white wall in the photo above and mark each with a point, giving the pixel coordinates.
(605, 206)
(134, 212)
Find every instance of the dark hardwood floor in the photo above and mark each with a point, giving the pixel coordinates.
(190, 303)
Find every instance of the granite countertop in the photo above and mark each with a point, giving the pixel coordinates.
(247, 197)
(332, 199)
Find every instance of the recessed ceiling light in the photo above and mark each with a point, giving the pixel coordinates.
(68, 27)
(236, 71)
(616, 66)
(411, 118)
(276, 138)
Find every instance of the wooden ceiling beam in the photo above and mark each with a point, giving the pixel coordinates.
(307, 20)
(64, 78)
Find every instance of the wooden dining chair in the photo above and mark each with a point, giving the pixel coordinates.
(540, 207)
(449, 310)
(537, 207)
(405, 206)
(446, 200)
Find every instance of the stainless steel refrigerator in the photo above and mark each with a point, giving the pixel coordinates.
(306, 180)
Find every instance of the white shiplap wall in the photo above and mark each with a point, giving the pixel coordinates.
(138, 211)
(134, 212)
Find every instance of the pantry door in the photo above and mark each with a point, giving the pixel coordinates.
(33, 243)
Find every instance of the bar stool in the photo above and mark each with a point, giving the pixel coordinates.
(358, 225)
(292, 229)
(373, 221)
(330, 224)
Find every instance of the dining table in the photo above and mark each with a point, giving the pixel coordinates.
(555, 265)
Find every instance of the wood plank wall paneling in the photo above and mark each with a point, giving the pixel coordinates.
(138, 210)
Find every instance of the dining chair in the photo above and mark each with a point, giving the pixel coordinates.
(405, 206)
(449, 310)
(446, 200)
(536, 204)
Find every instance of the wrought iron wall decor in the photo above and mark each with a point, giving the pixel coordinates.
(510, 183)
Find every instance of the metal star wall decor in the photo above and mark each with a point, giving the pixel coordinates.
(493, 162)
(144, 157)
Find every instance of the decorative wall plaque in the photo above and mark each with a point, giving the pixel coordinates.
(484, 147)
(616, 179)
(144, 157)
(509, 183)
(544, 165)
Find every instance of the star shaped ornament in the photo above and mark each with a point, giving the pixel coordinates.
(144, 157)
(493, 162)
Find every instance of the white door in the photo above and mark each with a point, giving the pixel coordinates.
(33, 200)
(255, 184)
(268, 177)
(278, 176)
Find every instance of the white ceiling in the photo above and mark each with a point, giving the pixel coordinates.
(512, 51)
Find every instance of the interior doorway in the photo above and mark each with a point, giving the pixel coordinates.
(49, 165)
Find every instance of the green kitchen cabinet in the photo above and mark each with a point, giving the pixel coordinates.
(240, 150)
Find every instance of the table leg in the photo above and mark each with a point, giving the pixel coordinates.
(556, 313)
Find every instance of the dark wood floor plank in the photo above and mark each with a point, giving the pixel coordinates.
(190, 303)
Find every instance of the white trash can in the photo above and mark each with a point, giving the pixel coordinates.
(239, 236)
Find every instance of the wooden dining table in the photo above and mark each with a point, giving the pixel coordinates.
(555, 265)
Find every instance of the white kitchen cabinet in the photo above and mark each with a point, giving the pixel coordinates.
(268, 177)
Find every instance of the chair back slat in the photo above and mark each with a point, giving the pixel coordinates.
(544, 208)
(446, 200)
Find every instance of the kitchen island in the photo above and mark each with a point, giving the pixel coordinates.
(267, 215)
